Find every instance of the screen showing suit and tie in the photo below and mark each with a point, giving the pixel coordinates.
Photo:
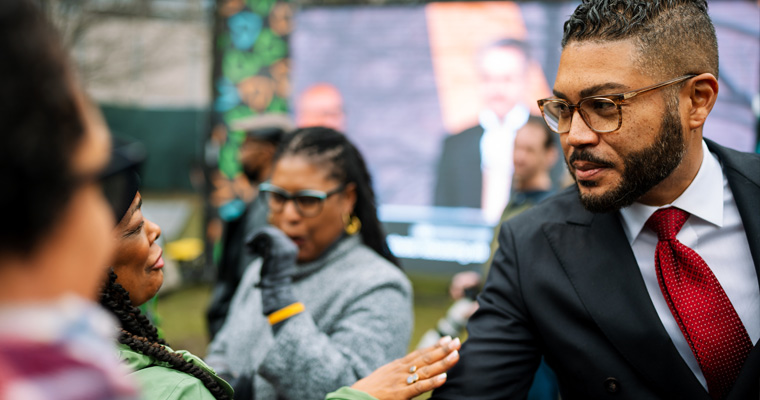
(433, 95)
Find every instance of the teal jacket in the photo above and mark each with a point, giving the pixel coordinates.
(159, 381)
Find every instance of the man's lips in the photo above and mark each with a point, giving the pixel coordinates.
(587, 166)
(585, 170)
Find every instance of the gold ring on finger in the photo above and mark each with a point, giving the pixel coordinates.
(412, 369)
(412, 379)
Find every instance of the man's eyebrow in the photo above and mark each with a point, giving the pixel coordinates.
(559, 94)
(603, 89)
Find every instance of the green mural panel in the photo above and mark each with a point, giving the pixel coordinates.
(270, 47)
(262, 7)
(252, 53)
(238, 65)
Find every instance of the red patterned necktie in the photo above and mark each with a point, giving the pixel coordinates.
(698, 303)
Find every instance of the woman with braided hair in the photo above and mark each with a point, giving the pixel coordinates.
(135, 276)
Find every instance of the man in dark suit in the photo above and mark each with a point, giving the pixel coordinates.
(478, 160)
(641, 281)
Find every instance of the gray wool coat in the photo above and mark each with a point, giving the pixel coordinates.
(358, 317)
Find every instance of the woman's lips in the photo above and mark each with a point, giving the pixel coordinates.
(298, 240)
(159, 262)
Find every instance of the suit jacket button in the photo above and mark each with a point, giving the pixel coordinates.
(612, 385)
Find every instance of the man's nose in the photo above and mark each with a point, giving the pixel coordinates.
(580, 135)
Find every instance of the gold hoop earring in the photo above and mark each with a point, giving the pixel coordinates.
(351, 224)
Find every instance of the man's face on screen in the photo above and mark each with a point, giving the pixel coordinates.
(502, 79)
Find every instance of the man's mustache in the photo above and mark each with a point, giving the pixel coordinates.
(583, 155)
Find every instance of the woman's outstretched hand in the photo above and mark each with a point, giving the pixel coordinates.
(419, 372)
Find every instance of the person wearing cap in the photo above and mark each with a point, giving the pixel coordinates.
(134, 277)
(262, 135)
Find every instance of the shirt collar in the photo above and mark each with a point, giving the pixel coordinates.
(514, 120)
(69, 317)
(703, 199)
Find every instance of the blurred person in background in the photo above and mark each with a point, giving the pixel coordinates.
(475, 168)
(55, 342)
(328, 303)
(256, 154)
(534, 157)
(321, 104)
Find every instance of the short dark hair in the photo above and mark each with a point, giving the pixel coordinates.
(548, 134)
(505, 43)
(331, 149)
(41, 126)
(673, 37)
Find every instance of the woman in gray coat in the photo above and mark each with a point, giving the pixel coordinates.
(327, 303)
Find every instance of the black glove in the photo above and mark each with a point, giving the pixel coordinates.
(279, 255)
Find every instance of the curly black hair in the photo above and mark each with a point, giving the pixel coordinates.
(141, 336)
(673, 37)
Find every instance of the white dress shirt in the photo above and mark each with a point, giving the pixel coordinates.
(715, 232)
(497, 158)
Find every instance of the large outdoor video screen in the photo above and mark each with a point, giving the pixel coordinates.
(409, 77)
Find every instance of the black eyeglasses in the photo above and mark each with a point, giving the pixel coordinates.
(602, 114)
(308, 202)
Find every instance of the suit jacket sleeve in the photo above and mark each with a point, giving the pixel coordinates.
(500, 357)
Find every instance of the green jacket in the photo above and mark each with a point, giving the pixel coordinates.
(346, 393)
(158, 381)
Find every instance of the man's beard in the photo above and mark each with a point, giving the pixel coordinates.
(642, 170)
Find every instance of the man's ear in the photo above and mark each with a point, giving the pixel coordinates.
(703, 92)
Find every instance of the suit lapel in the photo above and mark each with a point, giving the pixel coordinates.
(476, 173)
(743, 174)
(598, 259)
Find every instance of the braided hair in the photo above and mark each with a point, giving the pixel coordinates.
(141, 336)
(331, 149)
